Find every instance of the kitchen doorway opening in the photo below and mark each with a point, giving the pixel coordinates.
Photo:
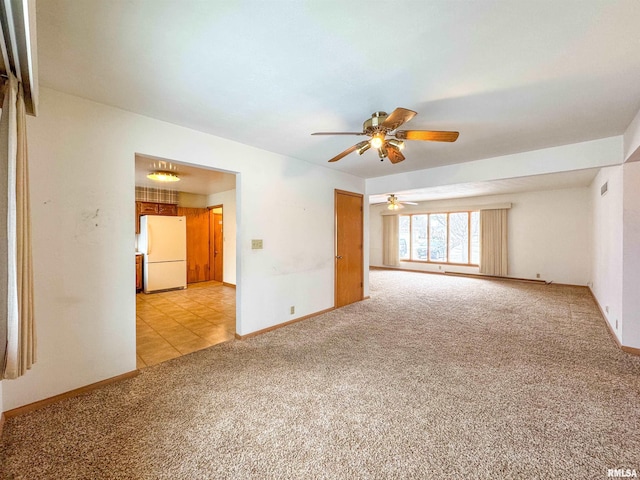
(200, 311)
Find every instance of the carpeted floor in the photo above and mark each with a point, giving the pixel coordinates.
(433, 377)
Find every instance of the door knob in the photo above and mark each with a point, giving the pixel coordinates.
(338, 257)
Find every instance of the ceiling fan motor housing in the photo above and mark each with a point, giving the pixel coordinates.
(374, 124)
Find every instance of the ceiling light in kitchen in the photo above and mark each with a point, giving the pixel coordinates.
(160, 176)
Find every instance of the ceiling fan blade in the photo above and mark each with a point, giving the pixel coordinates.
(338, 133)
(409, 203)
(348, 151)
(429, 135)
(395, 156)
(398, 117)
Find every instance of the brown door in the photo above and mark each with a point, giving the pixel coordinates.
(349, 261)
(197, 243)
(217, 247)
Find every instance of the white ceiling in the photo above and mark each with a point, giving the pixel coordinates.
(535, 183)
(510, 75)
(198, 180)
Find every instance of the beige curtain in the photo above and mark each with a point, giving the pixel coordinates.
(493, 242)
(390, 244)
(20, 330)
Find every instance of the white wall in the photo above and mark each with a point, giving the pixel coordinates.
(548, 234)
(631, 255)
(606, 237)
(228, 201)
(192, 200)
(82, 175)
(632, 140)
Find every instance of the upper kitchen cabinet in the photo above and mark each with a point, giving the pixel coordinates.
(153, 208)
(167, 209)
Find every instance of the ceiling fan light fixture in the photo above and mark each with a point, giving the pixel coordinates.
(161, 176)
(395, 206)
(377, 141)
(399, 144)
(364, 148)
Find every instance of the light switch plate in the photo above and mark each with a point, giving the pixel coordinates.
(256, 244)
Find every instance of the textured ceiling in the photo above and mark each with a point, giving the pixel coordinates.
(511, 76)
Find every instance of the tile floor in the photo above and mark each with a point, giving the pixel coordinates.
(171, 324)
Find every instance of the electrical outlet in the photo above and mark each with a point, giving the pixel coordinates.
(537, 275)
(616, 324)
(256, 244)
(606, 308)
(293, 309)
(439, 267)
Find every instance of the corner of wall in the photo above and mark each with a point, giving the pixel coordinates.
(631, 140)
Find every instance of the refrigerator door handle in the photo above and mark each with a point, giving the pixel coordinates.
(148, 239)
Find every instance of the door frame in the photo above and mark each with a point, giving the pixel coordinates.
(212, 243)
(335, 242)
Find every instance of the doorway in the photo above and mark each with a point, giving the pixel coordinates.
(216, 243)
(176, 322)
(349, 261)
(205, 243)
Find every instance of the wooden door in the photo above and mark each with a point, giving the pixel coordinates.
(216, 253)
(197, 243)
(349, 262)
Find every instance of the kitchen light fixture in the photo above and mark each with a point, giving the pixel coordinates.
(161, 176)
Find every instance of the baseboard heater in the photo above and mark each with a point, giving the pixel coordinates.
(496, 277)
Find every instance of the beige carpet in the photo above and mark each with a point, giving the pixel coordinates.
(433, 377)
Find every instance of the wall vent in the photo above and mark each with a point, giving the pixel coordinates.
(604, 188)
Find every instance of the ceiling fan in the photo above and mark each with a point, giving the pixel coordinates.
(394, 204)
(382, 124)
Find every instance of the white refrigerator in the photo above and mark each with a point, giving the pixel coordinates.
(163, 241)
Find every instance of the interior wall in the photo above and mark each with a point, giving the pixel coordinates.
(544, 230)
(631, 255)
(228, 201)
(632, 140)
(82, 175)
(606, 236)
(192, 200)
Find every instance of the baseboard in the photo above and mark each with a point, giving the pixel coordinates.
(284, 324)
(462, 274)
(624, 348)
(228, 284)
(604, 319)
(630, 350)
(496, 277)
(72, 393)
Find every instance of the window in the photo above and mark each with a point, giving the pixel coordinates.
(441, 237)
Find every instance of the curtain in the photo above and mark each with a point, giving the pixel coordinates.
(390, 248)
(20, 343)
(493, 242)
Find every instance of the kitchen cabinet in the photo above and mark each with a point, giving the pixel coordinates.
(138, 272)
(153, 208)
(167, 209)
